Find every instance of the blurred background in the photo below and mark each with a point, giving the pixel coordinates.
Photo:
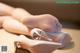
(67, 11)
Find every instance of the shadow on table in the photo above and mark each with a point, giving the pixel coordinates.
(69, 46)
(22, 51)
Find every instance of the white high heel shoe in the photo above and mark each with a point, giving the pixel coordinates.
(60, 37)
(37, 46)
(39, 34)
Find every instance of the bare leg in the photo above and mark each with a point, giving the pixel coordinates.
(17, 13)
(2, 18)
(20, 14)
(50, 23)
(36, 46)
(45, 22)
(5, 9)
(14, 26)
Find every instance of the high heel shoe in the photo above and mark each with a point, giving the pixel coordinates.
(60, 37)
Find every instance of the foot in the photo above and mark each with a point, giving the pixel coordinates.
(36, 46)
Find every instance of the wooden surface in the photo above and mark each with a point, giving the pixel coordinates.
(7, 39)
